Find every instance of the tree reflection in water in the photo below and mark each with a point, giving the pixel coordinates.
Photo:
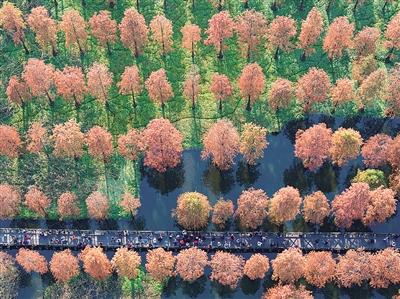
(250, 287)
(217, 180)
(247, 175)
(297, 177)
(165, 182)
(326, 178)
(195, 288)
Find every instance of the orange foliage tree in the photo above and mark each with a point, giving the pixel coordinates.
(190, 263)
(45, 28)
(64, 265)
(256, 266)
(39, 77)
(343, 91)
(130, 204)
(220, 27)
(36, 138)
(385, 268)
(288, 266)
(362, 67)
(131, 83)
(162, 144)
(312, 145)
(393, 97)
(95, 262)
(226, 268)
(346, 145)
(97, 205)
(221, 88)
(190, 37)
(13, 24)
(18, 91)
(10, 201)
(191, 86)
(158, 87)
(104, 28)
(353, 268)
(161, 29)
(192, 210)
(375, 150)
(365, 41)
(281, 94)
(37, 201)
(281, 31)
(315, 208)
(393, 153)
(313, 87)
(382, 205)
(31, 261)
(252, 208)
(134, 31)
(99, 142)
(284, 205)
(221, 142)
(338, 37)
(68, 140)
(160, 264)
(129, 145)
(251, 83)
(70, 83)
(287, 291)
(319, 268)
(67, 205)
(222, 211)
(253, 142)
(99, 81)
(311, 29)
(251, 27)
(392, 35)
(74, 27)
(10, 142)
(374, 87)
(126, 263)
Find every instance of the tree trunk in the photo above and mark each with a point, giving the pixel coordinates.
(333, 70)
(192, 52)
(192, 5)
(303, 56)
(108, 48)
(274, 6)
(248, 53)
(105, 177)
(220, 53)
(220, 107)
(246, 4)
(384, 6)
(301, 7)
(54, 50)
(56, 8)
(193, 106)
(248, 106)
(25, 46)
(165, 5)
(108, 114)
(387, 59)
(24, 118)
(276, 56)
(355, 6)
(328, 7)
(77, 110)
(137, 6)
(219, 5)
(163, 109)
(83, 3)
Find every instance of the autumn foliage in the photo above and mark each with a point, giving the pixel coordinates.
(251, 83)
(10, 142)
(315, 208)
(280, 33)
(190, 37)
(10, 201)
(158, 87)
(221, 88)
(99, 81)
(353, 268)
(39, 77)
(256, 266)
(385, 268)
(129, 145)
(160, 264)
(226, 268)
(252, 208)
(45, 28)
(130, 204)
(104, 28)
(18, 91)
(64, 265)
(287, 291)
(374, 150)
(70, 83)
(222, 211)
(68, 140)
(346, 144)
(319, 268)
(67, 205)
(31, 261)
(12, 22)
(192, 210)
(99, 142)
(338, 37)
(253, 142)
(365, 41)
(95, 262)
(134, 31)
(288, 266)
(311, 29)
(313, 87)
(284, 205)
(97, 205)
(161, 29)
(126, 262)
(190, 263)
(75, 29)
(281, 94)
(37, 201)
(343, 91)
(220, 27)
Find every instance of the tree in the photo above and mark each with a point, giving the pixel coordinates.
(37, 201)
(134, 31)
(9, 276)
(68, 140)
(64, 266)
(222, 211)
(217, 4)
(251, 83)
(338, 37)
(161, 29)
(373, 87)
(373, 177)
(39, 77)
(162, 144)
(158, 87)
(97, 205)
(36, 138)
(252, 208)
(10, 142)
(346, 145)
(192, 210)
(10, 201)
(365, 41)
(393, 97)
(251, 27)
(221, 88)
(312, 145)
(129, 145)
(319, 268)
(99, 142)
(220, 28)
(253, 142)
(343, 91)
(363, 67)
(160, 264)
(104, 28)
(67, 205)
(45, 28)
(130, 204)
(95, 262)
(281, 94)
(287, 291)
(316, 208)
(191, 35)
(375, 150)
(226, 268)
(131, 83)
(191, 86)
(392, 35)
(311, 29)
(313, 87)
(288, 266)
(221, 143)
(382, 205)
(31, 261)
(13, 24)
(385, 268)
(351, 204)
(99, 81)
(256, 266)
(74, 27)
(284, 205)
(353, 268)
(126, 263)
(190, 263)
(18, 91)
(393, 153)
(281, 31)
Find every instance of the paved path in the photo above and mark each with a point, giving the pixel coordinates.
(211, 241)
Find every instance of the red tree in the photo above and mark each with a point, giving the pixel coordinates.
(316, 208)
(44, 27)
(382, 205)
(281, 31)
(385, 268)
(31, 261)
(313, 87)
(190, 37)
(191, 86)
(39, 77)
(64, 266)
(12, 22)
(226, 268)
(252, 208)
(311, 29)
(251, 83)
(312, 145)
(129, 145)
(10, 201)
(393, 97)
(192, 210)
(161, 29)
(338, 37)
(256, 266)
(220, 27)
(284, 205)
(280, 94)
(353, 268)
(365, 41)
(393, 153)
(126, 263)
(159, 88)
(95, 262)
(319, 268)
(10, 142)
(222, 211)
(37, 201)
(374, 87)
(160, 264)
(130, 204)
(221, 143)
(131, 83)
(70, 83)
(190, 263)
(99, 143)
(36, 138)
(162, 144)
(99, 81)
(221, 88)
(68, 140)
(104, 28)
(67, 205)
(392, 34)
(97, 205)
(343, 91)
(134, 31)
(253, 142)
(375, 149)
(18, 91)
(74, 27)
(346, 145)
(287, 291)
(288, 266)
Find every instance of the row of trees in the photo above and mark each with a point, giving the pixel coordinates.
(380, 269)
